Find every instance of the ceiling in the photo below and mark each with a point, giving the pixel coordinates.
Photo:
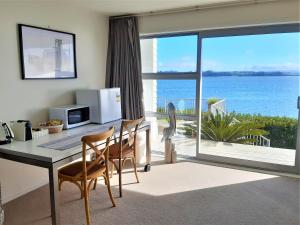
(119, 7)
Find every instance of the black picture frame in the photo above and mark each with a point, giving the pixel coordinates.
(71, 36)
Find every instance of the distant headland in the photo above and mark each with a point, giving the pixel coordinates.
(249, 73)
(211, 73)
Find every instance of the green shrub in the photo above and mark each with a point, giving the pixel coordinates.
(161, 110)
(189, 129)
(184, 111)
(224, 128)
(212, 101)
(282, 131)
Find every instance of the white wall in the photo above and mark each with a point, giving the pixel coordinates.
(30, 99)
(149, 65)
(284, 11)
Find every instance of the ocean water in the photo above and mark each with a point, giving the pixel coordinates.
(265, 95)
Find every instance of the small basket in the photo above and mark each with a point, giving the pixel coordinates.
(39, 132)
(53, 129)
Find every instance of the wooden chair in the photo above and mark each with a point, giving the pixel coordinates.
(84, 173)
(125, 149)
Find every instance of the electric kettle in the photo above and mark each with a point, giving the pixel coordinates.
(6, 134)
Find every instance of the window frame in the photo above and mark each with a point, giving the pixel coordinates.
(227, 32)
(174, 75)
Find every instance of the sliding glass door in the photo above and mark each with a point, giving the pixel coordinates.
(235, 92)
(252, 86)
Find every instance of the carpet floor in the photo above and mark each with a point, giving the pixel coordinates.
(185, 193)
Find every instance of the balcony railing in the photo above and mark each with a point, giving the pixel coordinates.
(182, 105)
(186, 110)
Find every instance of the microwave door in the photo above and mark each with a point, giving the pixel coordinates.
(74, 117)
(77, 117)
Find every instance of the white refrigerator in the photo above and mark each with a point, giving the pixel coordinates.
(105, 104)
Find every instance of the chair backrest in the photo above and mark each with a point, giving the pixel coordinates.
(101, 154)
(129, 126)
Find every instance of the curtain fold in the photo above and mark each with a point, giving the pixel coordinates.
(123, 67)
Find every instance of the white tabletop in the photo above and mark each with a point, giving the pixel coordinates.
(30, 149)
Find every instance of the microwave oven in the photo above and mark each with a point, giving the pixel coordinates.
(72, 115)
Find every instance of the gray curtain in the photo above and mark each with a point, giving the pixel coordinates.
(123, 67)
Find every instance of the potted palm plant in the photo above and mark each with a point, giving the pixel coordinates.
(226, 128)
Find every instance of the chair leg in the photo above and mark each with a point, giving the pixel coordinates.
(95, 183)
(123, 163)
(135, 170)
(59, 184)
(105, 180)
(120, 178)
(82, 188)
(112, 168)
(86, 203)
(90, 184)
(109, 189)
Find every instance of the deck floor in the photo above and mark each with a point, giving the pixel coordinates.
(187, 146)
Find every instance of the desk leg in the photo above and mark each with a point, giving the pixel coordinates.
(148, 151)
(53, 186)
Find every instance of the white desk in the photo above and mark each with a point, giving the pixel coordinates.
(30, 153)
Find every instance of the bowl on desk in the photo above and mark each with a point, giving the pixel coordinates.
(53, 126)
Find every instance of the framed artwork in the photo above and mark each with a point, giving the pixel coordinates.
(46, 53)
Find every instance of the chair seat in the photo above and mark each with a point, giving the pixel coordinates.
(114, 151)
(75, 168)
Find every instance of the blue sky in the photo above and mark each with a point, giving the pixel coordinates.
(268, 52)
